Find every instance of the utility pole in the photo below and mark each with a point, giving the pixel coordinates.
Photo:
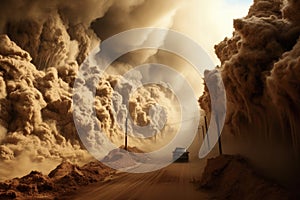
(205, 120)
(219, 135)
(203, 132)
(206, 127)
(126, 124)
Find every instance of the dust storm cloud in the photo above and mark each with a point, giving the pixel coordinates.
(42, 46)
(260, 69)
(44, 43)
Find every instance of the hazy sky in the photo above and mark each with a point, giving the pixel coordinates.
(209, 22)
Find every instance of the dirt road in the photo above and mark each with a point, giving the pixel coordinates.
(172, 182)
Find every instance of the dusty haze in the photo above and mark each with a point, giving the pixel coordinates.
(43, 44)
(261, 69)
(42, 47)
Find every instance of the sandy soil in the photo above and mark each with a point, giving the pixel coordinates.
(177, 181)
(173, 182)
(233, 177)
(65, 177)
(220, 177)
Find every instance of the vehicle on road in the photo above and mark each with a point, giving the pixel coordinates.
(180, 155)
